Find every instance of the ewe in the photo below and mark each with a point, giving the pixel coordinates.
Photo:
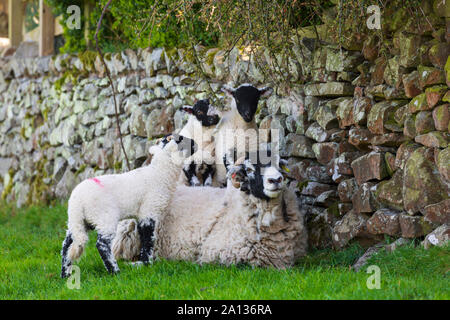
(261, 227)
(100, 203)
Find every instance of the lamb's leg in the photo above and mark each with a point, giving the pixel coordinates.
(146, 230)
(66, 263)
(208, 175)
(104, 248)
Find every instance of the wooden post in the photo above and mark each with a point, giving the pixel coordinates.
(15, 18)
(87, 8)
(46, 30)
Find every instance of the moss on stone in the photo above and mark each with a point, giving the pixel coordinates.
(8, 180)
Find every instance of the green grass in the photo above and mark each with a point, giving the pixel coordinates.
(30, 241)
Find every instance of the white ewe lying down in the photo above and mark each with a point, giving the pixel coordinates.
(201, 123)
(261, 227)
(237, 125)
(100, 203)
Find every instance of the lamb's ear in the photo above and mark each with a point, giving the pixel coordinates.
(265, 92)
(228, 90)
(284, 165)
(187, 109)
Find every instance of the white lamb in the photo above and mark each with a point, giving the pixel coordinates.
(237, 127)
(261, 227)
(100, 203)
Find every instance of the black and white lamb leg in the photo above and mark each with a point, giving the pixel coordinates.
(146, 230)
(66, 263)
(104, 248)
(208, 175)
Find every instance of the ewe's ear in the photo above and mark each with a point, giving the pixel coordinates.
(187, 109)
(265, 92)
(228, 90)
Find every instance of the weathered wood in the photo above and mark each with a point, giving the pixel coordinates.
(15, 18)
(46, 30)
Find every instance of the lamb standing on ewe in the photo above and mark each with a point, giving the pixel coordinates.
(237, 125)
(101, 202)
(263, 227)
(204, 117)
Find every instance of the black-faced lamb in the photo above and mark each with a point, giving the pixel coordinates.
(237, 127)
(261, 227)
(200, 170)
(100, 203)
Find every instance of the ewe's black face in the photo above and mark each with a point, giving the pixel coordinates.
(247, 97)
(204, 113)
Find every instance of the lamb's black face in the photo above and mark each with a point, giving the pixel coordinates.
(247, 97)
(203, 111)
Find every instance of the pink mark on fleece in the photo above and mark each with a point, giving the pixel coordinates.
(97, 181)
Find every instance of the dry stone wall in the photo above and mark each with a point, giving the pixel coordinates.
(366, 135)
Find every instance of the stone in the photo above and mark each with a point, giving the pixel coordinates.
(319, 223)
(438, 54)
(316, 132)
(27, 49)
(396, 244)
(364, 199)
(447, 70)
(379, 114)
(298, 146)
(434, 139)
(413, 226)
(346, 189)
(438, 213)
(326, 117)
(344, 113)
(351, 226)
(393, 73)
(327, 199)
(361, 109)
(369, 167)
(340, 167)
(430, 76)
(422, 184)
(340, 60)
(315, 189)
(434, 94)
(360, 137)
(329, 89)
(389, 159)
(390, 192)
(344, 208)
(443, 163)
(424, 122)
(439, 237)
(411, 84)
(362, 261)
(325, 152)
(441, 117)
(404, 152)
(419, 103)
(409, 45)
(384, 221)
(65, 186)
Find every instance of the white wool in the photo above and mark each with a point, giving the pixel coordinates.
(227, 226)
(103, 201)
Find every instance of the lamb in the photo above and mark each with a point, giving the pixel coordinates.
(261, 227)
(237, 126)
(99, 203)
(200, 170)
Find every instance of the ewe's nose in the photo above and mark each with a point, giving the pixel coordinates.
(275, 181)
